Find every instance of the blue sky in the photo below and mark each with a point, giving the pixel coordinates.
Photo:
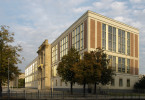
(33, 21)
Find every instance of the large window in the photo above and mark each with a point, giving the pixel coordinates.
(112, 62)
(111, 38)
(128, 43)
(112, 82)
(128, 65)
(54, 53)
(63, 46)
(128, 82)
(78, 37)
(121, 41)
(120, 82)
(121, 64)
(104, 36)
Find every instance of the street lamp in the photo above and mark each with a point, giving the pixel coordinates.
(8, 79)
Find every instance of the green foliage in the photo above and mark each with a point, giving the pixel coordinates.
(140, 84)
(8, 54)
(21, 83)
(65, 66)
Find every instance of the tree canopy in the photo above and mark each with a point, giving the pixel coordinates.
(140, 84)
(65, 66)
(9, 55)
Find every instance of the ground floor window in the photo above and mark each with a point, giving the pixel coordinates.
(112, 82)
(120, 82)
(128, 82)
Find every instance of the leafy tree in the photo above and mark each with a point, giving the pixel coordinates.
(83, 70)
(8, 56)
(93, 68)
(140, 84)
(21, 82)
(102, 73)
(65, 67)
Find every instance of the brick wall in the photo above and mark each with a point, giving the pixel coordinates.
(92, 33)
(99, 36)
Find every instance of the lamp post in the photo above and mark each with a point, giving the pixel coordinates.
(8, 79)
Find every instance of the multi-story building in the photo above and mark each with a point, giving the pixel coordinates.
(31, 74)
(120, 41)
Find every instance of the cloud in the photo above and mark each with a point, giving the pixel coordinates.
(81, 9)
(34, 21)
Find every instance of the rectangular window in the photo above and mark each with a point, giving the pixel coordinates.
(56, 83)
(78, 38)
(104, 36)
(128, 43)
(121, 41)
(120, 82)
(60, 82)
(112, 62)
(128, 65)
(128, 82)
(112, 82)
(121, 64)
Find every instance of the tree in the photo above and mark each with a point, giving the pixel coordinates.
(93, 68)
(21, 82)
(65, 67)
(102, 73)
(83, 70)
(140, 84)
(9, 56)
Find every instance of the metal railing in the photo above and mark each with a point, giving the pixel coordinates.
(101, 94)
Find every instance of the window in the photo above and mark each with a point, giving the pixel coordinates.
(120, 82)
(60, 82)
(121, 41)
(111, 38)
(78, 37)
(66, 84)
(128, 65)
(128, 82)
(121, 64)
(54, 54)
(104, 36)
(112, 82)
(56, 83)
(63, 46)
(128, 43)
(112, 62)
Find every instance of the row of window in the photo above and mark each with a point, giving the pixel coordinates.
(121, 64)
(121, 82)
(112, 39)
(112, 82)
(31, 69)
(77, 42)
(78, 37)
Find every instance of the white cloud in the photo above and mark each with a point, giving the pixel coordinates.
(81, 9)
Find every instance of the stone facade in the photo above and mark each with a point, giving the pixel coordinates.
(44, 66)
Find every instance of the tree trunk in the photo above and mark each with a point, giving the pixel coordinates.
(71, 87)
(0, 88)
(84, 88)
(94, 88)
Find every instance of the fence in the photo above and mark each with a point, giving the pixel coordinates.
(100, 95)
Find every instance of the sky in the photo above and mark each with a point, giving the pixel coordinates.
(33, 21)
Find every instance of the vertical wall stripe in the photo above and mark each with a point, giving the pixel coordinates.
(58, 51)
(131, 66)
(85, 34)
(92, 33)
(136, 67)
(99, 35)
(132, 44)
(136, 45)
